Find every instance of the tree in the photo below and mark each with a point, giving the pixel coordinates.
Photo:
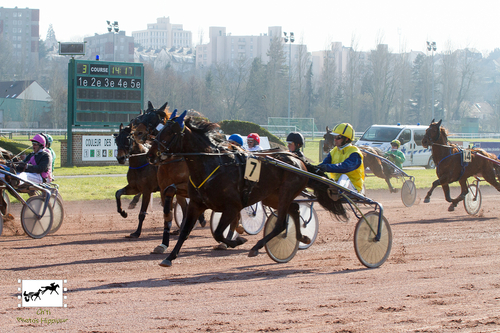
(277, 81)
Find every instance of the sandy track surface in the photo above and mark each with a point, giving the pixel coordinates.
(442, 276)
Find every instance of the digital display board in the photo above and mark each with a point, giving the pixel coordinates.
(72, 48)
(105, 93)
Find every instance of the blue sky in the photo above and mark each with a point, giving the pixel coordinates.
(403, 25)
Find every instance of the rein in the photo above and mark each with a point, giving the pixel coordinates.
(142, 166)
(206, 179)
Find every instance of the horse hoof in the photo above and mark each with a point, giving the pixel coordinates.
(427, 200)
(253, 253)
(175, 232)
(123, 214)
(451, 209)
(221, 246)
(159, 249)
(305, 240)
(131, 206)
(241, 240)
(394, 190)
(166, 263)
(203, 223)
(133, 235)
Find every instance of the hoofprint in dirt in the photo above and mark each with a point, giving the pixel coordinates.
(442, 276)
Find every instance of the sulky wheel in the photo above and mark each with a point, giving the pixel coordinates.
(309, 223)
(284, 246)
(473, 199)
(408, 193)
(178, 214)
(58, 210)
(214, 222)
(1, 224)
(253, 218)
(371, 252)
(33, 226)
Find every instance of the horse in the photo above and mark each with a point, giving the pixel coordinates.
(172, 175)
(52, 287)
(370, 160)
(217, 181)
(451, 168)
(141, 175)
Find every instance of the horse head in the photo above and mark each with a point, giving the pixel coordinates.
(434, 134)
(145, 125)
(329, 141)
(168, 139)
(124, 143)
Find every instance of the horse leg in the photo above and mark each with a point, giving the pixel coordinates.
(435, 184)
(465, 190)
(229, 218)
(168, 193)
(388, 181)
(134, 201)
(280, 226)
(146, 197)
(118, 195)
(193, 212)
(293, 211)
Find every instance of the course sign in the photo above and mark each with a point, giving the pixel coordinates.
(98, 148)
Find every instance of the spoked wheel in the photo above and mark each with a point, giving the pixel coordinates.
(284, 246)
(6, 198)
(214, 222)
(1, 224)
(309, 223)
(371, 252)
(33, 226)
(473, 199)
(57, 207)
(408, 193)
(253, 218)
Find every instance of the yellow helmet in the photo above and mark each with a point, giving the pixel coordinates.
(396, 142)
(345, 129)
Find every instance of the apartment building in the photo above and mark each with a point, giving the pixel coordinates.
(163, 35)
(21, 26)
(225, 48)
(111, 46)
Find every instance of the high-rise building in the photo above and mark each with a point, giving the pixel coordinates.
(163, 34)
(224, 47)
(20, 27)
(111, 46)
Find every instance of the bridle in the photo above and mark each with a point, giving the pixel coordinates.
(163, 143)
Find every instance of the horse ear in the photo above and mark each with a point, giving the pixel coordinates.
(121, 126)
(173, 115)
(150, 106)
(439, 123)
(163, 107)
(327, 129)
(432, 120)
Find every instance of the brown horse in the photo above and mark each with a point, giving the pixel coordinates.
(370, 160)
(141, 175)
(172, 174)
(217, 181)
(451, 168)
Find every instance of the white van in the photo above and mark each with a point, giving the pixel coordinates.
(410, 136)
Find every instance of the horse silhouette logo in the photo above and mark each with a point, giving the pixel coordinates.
(42, 293)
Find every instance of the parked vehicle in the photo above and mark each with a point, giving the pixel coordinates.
(410, 136)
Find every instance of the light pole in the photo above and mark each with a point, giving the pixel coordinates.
(431, 46)
(292, 39)
(113, 26)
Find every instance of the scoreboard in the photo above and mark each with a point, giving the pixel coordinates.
(104, 93)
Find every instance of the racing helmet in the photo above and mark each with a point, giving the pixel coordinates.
(396, 142)
(345, 129)
(236, 138)
(296, 138)
(255, 137)
(40, 139)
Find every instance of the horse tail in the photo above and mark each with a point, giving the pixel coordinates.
(321, 192)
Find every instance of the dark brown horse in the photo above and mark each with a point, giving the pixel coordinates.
(370, 160)
(451, 168)
(173, 173)
(141, 175)
(217, 181)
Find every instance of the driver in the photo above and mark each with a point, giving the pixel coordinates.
(395, 155)
(344, 163)
(295, 141)
(37, 166)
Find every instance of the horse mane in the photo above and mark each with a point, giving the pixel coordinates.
(205, 129)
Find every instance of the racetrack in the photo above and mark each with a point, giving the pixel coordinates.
(442, 275)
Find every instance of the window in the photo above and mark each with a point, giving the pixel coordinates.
(418, 135)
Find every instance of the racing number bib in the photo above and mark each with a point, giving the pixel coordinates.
(252, 169)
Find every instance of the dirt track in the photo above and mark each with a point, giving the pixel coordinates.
(442, 276)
